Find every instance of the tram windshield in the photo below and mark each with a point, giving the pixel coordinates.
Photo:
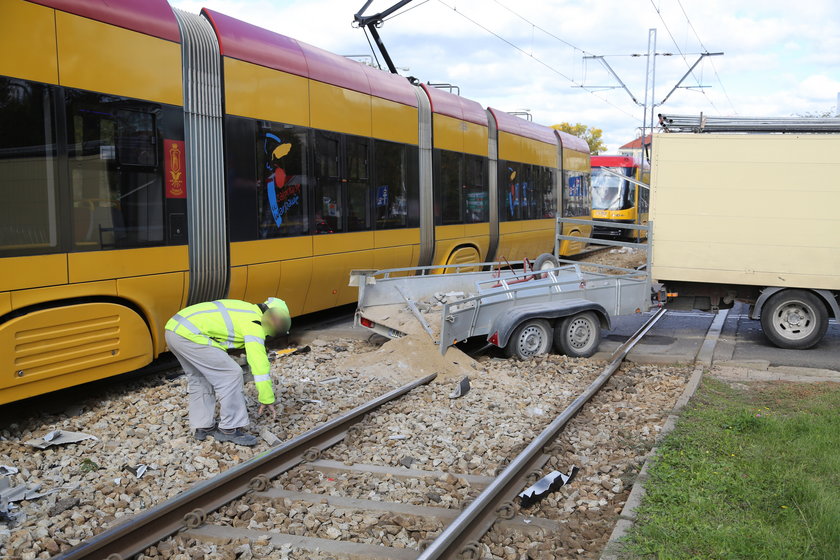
(610, 192)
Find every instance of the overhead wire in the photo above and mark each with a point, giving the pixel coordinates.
(685, 60)
(714, 68)
(536, 59)
(547, 32)
(392, 16)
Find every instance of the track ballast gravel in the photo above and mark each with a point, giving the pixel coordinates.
(510, 402)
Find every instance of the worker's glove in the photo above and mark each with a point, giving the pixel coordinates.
(272, 410)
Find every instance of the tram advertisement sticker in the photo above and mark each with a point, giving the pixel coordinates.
(176, 176)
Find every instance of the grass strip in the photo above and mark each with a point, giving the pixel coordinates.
(749, 472)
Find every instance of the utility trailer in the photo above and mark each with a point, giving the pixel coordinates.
(524, 309)
(745, 209)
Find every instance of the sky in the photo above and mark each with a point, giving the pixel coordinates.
(781, 58)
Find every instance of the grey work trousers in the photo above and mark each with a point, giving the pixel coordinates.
(211, 374)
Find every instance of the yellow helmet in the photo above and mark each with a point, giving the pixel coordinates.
(276, 317)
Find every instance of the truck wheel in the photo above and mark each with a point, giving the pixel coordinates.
(545, 262)
(529, 339)
(578, 336)
(794, 319)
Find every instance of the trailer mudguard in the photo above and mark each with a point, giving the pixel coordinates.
(504, 325)
(826, 295)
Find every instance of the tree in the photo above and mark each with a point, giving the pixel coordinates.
(829, 114)
(592, 135)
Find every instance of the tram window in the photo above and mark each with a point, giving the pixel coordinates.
(576, 195)
(116, 182)
(358, 184)
(476, 191)
(448, 186)
(392, 185)
(28, 222)
(532, 191)
(328, 204)
(281, 196)
(510, 177)
(549, 194)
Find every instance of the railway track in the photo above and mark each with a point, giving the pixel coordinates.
(459, 531)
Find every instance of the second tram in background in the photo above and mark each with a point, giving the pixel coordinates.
(615, 200)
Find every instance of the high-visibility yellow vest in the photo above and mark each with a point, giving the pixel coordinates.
(226, 324)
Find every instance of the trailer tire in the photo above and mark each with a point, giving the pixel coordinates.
(578, 336)
(529, 339)
(545, 261)
(795, 319)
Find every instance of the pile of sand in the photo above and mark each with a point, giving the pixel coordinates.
(409, 357)
(399, 317)
(625, 257)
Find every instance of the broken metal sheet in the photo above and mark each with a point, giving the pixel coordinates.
(462, 389)
(59, 437)
(6, 470)
(551, 482)
(138, 470)
(10, 494)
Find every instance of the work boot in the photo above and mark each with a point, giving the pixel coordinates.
(202, 433)
(235, 435)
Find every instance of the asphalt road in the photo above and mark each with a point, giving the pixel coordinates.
(743, 343)
(678, 337)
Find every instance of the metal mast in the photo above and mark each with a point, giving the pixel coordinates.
(650, 84)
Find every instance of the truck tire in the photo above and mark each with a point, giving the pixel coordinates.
(578, 336)
(529, 339)
(794, 319)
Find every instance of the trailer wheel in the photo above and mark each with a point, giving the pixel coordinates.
(529, 339)
(545, 261)
(578, 336)
(794, 319)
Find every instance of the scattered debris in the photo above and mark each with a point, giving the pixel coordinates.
(7, 470)
(9, 493)
(270, 438)
(312, 401)
(59, 437)
(461, 389)
(398, 437)
(63, 505)
(545, 486)
(137, 471)
(330, 380)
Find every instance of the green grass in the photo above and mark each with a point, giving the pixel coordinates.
(746, 474)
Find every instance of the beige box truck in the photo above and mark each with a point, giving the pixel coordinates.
(750, 217)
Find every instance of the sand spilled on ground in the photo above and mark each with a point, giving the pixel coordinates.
(407, 358)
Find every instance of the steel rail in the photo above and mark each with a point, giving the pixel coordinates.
(461, 537)
(190, 508)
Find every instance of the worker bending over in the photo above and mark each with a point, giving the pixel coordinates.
(200, 337)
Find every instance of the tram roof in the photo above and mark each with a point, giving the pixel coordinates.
(512, 124)
(151, 17)
(451, 105)
(250, 43)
